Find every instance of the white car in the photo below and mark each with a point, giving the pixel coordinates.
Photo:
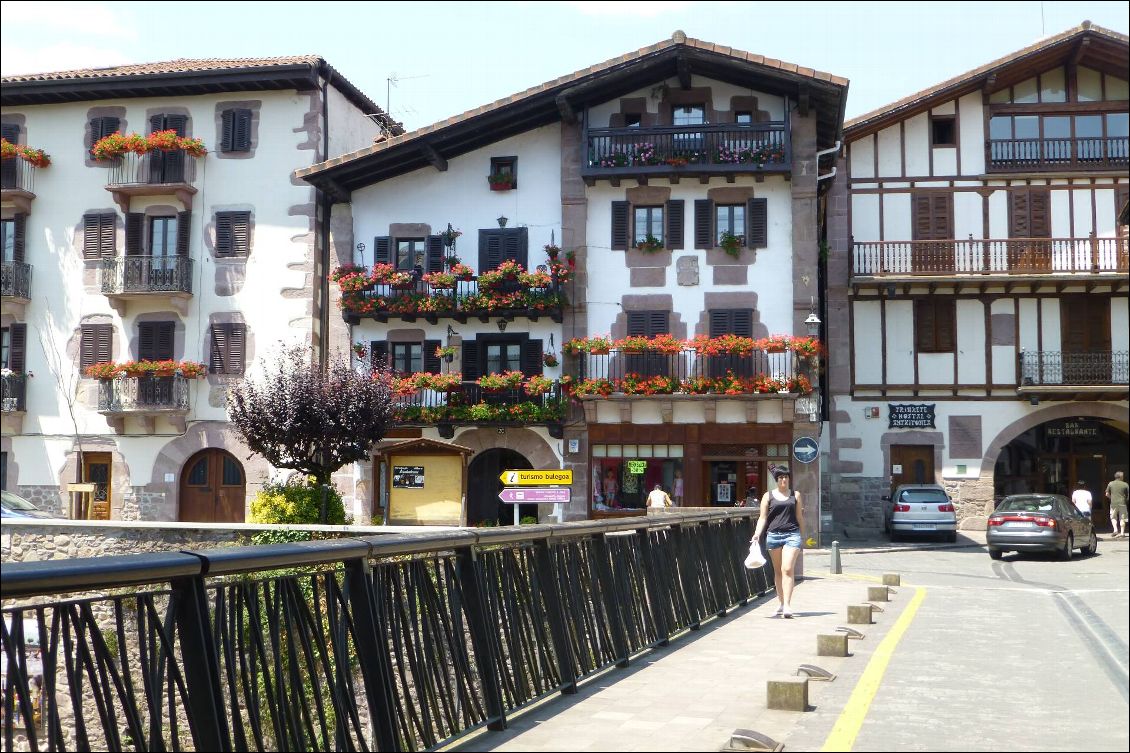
(920, 510)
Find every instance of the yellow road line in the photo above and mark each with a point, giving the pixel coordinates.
(842, 737)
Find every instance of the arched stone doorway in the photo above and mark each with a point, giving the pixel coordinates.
(483, 486)
(212, 488)
(1053, 456)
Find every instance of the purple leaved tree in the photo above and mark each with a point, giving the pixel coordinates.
(298, 416)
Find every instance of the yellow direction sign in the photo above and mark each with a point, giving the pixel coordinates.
(550, 477)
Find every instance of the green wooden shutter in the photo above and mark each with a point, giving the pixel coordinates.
(620, 225)
(757, 223)
(703, 223)
(675, 225)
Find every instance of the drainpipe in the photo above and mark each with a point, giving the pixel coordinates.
(325, 206)
(820, 154)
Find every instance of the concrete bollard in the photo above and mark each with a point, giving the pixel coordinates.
(859, 614)
(835, 566)
(878, 593)
(891, 579)
(832, 645)
(787, 695)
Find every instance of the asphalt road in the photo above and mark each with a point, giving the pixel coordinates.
(1028, 653)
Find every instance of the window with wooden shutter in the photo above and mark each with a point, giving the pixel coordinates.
(184, 232)
(135, 234)
(378, 354)
(167, 167)
(648, 324)
(228, 349)
(435, 254)
(235, 133)
(471, 360)
(675, 224)
(431, 360)
(19, 238)
(737, 322)
(98, 235)
(647, 226)
(757, 223)
(620, 225)
(1029, 213)
(532, 357)
(496, 246)
(407, 358)
(933, 216)
(703, 223)
(96, 344)
(233, 233)
(102, 127)
(934, 325)
(9, 169)
(382, 249)
(155, 341)
(16, 357)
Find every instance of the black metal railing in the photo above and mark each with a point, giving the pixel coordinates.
(1053, 367)
(13, 393)
(465, 299)
(991, 256)
(1094, 153)
(153, 168)
(147, 274)
(396, 642)
(687, 364)
(17, 175)
(143, 394)
(719, 148)
(15, 279)
(470, 403)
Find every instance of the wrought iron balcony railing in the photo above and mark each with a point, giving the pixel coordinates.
(143, 395)
(1013, 256)
(469, 403)
(686, 365)
(17, 175)
(1056, 368)
(147, 274)
(715, 148)
(13, 393)
(465, 300)
(15, 279)
(1048, 154)
(154, 168)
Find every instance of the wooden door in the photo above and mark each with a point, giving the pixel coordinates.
(1085, 346)
(212, 488)
(96, 469)
(912, 464)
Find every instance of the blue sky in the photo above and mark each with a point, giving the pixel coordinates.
(452, 57)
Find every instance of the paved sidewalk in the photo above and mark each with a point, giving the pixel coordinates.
(692, 694)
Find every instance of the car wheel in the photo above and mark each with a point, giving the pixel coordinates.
(1092, 547)
(951, 537)
(1068, 548)
(995, 554)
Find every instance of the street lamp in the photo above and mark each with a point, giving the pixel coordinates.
(813, 321)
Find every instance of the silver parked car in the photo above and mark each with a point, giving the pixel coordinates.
(1040, 523)
(15, 506)
(920, 509)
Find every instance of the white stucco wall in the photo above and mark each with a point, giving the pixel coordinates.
(349, 128)
(971, 334)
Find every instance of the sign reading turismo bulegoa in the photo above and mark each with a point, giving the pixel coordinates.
(910, 416)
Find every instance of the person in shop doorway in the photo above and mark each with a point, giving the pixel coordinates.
(658, 499)
(611, 489)
(782, 517)
(677, 491)
(1116, 492)
(1081, 498)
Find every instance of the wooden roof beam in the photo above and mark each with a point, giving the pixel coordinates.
(434, 157)
(1080, 51)
(568, 114)
(803, 100)
(990, 83)
(683, 67)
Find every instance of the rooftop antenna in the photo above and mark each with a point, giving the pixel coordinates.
(392, 80)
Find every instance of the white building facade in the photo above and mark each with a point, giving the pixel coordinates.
(211, 259)
(978, 285)
(629, 172)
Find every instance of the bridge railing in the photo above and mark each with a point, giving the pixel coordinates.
(396, 642)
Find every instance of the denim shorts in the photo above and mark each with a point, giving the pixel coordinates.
(774, 540)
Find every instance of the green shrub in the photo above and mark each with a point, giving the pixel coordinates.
(297, 502)
(526, 520)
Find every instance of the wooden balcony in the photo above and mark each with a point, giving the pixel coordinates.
(1065, 375)
(153, 174)
(1057, 155)
(140, 277)
(471, 404)
(17, 183)
(146, 397)
(675, 152)
(420, 301)
(990, 260)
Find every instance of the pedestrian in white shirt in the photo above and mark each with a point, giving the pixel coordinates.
(1081, 498)
(658, 498)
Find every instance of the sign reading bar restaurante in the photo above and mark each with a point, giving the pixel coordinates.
(910, 416)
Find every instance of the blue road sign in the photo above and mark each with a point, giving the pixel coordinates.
(806, 449)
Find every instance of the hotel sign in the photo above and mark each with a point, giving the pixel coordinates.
(910, 416)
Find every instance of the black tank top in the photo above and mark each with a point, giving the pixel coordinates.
(782, 514)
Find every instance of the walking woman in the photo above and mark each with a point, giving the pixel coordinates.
(782, 516)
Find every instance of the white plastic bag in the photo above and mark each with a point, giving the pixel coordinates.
(755, 558)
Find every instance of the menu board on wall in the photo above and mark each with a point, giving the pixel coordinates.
(408, 477)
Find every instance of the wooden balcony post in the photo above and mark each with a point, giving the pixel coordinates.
(1094, 252)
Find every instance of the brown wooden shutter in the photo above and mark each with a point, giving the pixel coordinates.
(648, 323)
(1085, 324)
(378, 354)
(103, 127)
(382, 249)
(237, 349)
(98, 235)
(531, 357)
(1018, 215)
(934, 326)
(96, 344)
(431, 360)
(471, 361)
(922, 217)
(1039, 213)
(675, 224)
(933, 216)
(241, 138)
(227, 131)
(924, 326)
(228, 351)
(757, 223)
(515, 245)
(135, 234)
(155, 340)
(218, 348)
(9, 170)
(620, 225)
(184, 232)
(945, 337)
(17, 352)
(19, 236)
(703, 223)
(435, 254)
(731, 322)
(233, 233)
(224, 244)
(10, 132)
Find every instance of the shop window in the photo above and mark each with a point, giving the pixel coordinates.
(622, 475)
